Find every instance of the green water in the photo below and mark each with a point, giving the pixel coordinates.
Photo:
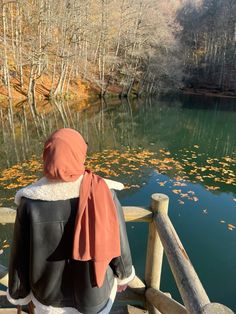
(198, 133)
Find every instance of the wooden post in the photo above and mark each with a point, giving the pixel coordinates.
(159, 202)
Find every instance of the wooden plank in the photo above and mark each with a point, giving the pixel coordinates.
(163, 302)
(137, 214)
(137, 285)
(131, 213)
(136, 310)
(134, 292)
(129, 296)
(7, 215)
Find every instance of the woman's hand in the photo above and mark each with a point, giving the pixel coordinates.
(121, 288)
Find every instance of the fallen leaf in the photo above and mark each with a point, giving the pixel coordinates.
(176, 191)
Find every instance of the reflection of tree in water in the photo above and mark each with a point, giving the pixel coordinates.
(118, 124)
(127, 141)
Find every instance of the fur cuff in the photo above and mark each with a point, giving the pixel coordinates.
(125, 281)
(23, 301)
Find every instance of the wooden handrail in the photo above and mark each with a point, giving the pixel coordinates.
(192, 292)
(131, 213)
(137, 214)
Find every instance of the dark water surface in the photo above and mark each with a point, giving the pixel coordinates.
(195, 133)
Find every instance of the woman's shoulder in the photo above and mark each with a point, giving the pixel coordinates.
(54, 190)
(49, 190)
(114, 185)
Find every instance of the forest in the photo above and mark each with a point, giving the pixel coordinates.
(70, 48)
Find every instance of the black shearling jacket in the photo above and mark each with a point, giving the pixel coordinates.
(41, 263)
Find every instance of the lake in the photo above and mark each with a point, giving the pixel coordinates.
(182, 146)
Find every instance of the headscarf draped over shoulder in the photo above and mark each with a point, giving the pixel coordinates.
(96, 234)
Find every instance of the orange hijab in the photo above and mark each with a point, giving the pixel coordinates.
(96, 235)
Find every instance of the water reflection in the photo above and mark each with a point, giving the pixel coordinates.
(115, 124)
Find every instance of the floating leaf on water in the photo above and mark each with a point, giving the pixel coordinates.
(1, 251)
(199, 178)
(228, 159)
(191, 192)
(176, 191)
(196, 146)
(204, 211)
(213, 188)
(195, 199)
(222, 221)
(180, 202)
(179, 184)
(231, 226)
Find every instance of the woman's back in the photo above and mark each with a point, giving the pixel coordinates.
(42, 267)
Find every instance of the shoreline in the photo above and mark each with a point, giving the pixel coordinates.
(79, 91)
(206, 92)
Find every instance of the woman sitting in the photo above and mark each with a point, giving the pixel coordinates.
(70, 252)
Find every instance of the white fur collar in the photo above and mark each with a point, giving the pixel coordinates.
(55, 190)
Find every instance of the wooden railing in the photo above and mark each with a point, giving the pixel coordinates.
(162, 238)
